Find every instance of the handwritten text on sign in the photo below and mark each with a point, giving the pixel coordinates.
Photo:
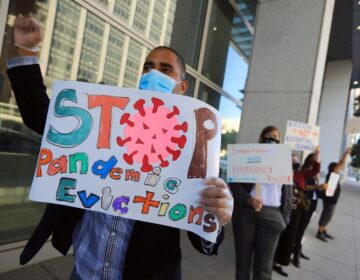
(259, 163)
(136, 154)
(302, 136)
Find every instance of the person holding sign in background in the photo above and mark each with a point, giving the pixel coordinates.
(105, 246)
(285, 246)
(260, 214)
(329, 202)
(305, 179)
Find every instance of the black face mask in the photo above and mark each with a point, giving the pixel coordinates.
(270, 140)
(295, 166)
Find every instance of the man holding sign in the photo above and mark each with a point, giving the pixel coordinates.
(109, 247)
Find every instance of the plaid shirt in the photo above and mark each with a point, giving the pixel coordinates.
(100, 243)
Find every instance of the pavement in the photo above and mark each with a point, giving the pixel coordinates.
(337, 259)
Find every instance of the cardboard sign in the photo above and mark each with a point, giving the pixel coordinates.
(353, 125)
(302, 136)
(137, 154)
(259, 163)
(332, 184)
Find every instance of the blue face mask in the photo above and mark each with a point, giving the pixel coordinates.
(157, 81)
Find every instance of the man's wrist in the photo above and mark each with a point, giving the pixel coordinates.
(34, 49)
(26, 52)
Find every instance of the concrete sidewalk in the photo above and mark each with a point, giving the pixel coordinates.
(338, 259)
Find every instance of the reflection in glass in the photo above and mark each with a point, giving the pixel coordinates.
(188, 29)
(191, 85)
(248, 8)
(218, 40)
(225, 28)
(209, 96)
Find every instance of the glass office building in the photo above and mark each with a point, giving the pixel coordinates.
(106, 41)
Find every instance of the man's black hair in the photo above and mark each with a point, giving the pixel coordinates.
(179, 58)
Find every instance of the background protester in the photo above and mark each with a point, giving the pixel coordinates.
(329, 202)
(285, 245)
(258, 222)
(309, 169)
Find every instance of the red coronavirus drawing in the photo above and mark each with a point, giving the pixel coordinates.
(152, 135)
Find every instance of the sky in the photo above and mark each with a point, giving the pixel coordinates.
(234, 80)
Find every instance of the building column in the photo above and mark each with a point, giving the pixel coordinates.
(286, 66)
(333, 111)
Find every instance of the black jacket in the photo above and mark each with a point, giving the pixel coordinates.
(154, 250)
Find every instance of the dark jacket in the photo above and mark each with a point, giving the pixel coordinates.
(154, 250)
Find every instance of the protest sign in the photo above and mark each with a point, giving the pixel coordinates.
(259, 163)
(353, 125)
(125, 152)
(302, 136)
(332, 184)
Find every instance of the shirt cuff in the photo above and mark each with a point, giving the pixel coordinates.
(21, 61)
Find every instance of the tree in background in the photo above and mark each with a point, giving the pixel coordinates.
(355, 159)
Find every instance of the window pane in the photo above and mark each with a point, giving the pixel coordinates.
(122, 9)
(89, 60)
(225, 28)
(191, 86)
(113, 57)
(133, 64)
(209, 96)
(188, 29)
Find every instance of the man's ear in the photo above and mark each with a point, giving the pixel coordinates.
(183, 86)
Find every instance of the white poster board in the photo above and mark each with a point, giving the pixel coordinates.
(353, 125)
(259, 163)
(332, 184)
(125, 152)
(302, 136)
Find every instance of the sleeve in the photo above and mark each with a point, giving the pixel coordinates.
(21, 61)
(241, 192)
(30, 94)
(206, 247)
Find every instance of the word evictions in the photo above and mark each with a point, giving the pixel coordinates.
(120, 204)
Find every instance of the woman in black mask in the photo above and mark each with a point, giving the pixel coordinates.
(258, 222)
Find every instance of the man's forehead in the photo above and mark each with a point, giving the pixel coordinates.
(161, 55)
